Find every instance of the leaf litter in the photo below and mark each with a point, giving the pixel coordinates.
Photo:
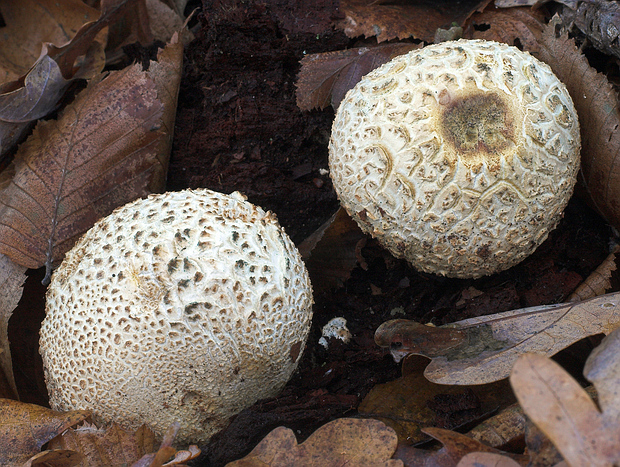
(371, 254)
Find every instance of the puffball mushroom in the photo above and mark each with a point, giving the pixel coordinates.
(187, 306)
(459, 157)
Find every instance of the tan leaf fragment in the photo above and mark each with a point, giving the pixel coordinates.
(346, 441)
(12, 279)
(598, 282)
(483, 349)
(24, 428)
(325, 78)
(388, 20)
(597, 106)
(105, 150)
(560, 407)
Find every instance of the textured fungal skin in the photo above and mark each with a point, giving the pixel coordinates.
(459, 157)
(187, 306)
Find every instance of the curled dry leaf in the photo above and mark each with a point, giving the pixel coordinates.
(12, 278)
(105, 150)
(325, 78)
(24, 428)
(330, 252)
(420, 20)
(597, 106)
(346, 441)
(30, 23)
(483, 349)
(598, 282)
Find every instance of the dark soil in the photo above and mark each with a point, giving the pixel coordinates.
(238, 128)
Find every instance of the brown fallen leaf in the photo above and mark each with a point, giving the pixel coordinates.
(111, 445)
(420, 20)
(330, 252)
(105, 150)
(598, 282)
(54, 458)
(30, 23)
(24, 428)
(12, 278)
(483, 349)
(501, 429)
(35, 94)
(561, 408)
(597, 106)
(489, 459)
(325, 78)
(514, 26)
(346, 441)
(455, 447)
(411, 403)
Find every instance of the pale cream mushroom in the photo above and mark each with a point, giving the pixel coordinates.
(459, 157)
(187, 306)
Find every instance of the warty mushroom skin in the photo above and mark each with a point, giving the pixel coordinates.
(187, 306)
(459, 157)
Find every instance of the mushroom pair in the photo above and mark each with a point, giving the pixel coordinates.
(190, 306)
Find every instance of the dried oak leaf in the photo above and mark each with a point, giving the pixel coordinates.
(330, 252)
(514, 26)
(597, 106)
(564, 411)
(325, 78)
(344, 441)
(105, 150)
(12, 278)
(481, 459)
(483, 349)
(402, 20)
(24, 428)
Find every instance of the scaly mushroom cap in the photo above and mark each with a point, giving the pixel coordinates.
(187, 306)
(459, 157)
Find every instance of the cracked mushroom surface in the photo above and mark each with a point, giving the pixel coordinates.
(187, 306)
(459, 157)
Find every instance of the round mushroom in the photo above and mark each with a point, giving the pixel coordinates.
(459, 157)
(187, 306)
